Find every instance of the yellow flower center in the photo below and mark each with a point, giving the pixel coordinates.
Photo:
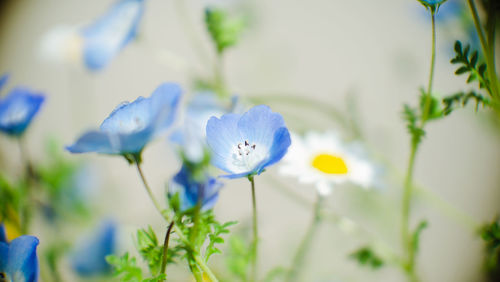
(329, 164)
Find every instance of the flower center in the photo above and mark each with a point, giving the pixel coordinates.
(329, 164)
(246, 156)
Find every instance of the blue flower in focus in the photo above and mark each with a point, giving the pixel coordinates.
(108, 35)
(245, 145)
(89, 259)
(18, 259)
(18, 108)
(132, 125)
(191, 190)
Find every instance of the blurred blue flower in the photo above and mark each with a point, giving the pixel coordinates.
(3, 80)
(108, 35)
(18, 259)
(18, 108)
(190, 138)
(89, 259)
(3, 235)
(245, 145)
(189, 189)
(132, 125)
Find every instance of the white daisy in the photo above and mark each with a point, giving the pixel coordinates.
(322, 159)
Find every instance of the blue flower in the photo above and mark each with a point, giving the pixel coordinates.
(3, 80)
(189, 189)
(18, 260)
(90, 257)
(18, 108)
(132, 125)
(190, 138)
(244, 145)
(108, 35)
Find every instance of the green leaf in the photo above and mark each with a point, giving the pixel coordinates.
(224, 30)
(365, 256)
(416, 234)
(470, 65)
(125, 267)
(150, 250)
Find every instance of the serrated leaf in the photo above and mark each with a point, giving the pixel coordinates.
(461, 70)
(473, 59)
(458, 47)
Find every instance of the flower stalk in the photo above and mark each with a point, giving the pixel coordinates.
(255, 240)
(301, 254)
(407, 240)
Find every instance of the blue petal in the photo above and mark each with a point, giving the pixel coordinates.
(129, 117)
(165, 102)
(259, 125)
(222, 137)
(93, 141)
(90, 258)
(3, 235)
(108, 35)
(3, 80)
(18, 109)
(22, 264)
(281, 142)
(4, 256)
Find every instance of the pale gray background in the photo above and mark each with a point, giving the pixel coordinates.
(322, 49)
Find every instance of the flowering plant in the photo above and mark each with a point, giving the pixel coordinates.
(332, 194)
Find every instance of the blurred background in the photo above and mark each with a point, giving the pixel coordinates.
(364, 59)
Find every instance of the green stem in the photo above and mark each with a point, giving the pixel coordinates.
(219, 81)
(405, 229)
(428, 96)
(177, 230)
(255, 231)
(490, 28)
(148, 189)
(298, 262)
(165, 249)
(486, 51)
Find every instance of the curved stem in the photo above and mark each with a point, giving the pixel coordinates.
(148, 189)
(255, 231)
(176, 229)
(165, 249)
(301, 254)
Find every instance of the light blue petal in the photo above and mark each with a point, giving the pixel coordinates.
(236, 175)
(259, 125)
(90, 257)
(135, 142)
(3, 80)
(22, 264)
(93, 141)
(108, 35)
(129, 117)
(281, 142)
(222, 137)
(18, 109)
(165, 102)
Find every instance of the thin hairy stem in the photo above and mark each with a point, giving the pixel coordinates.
(255, 240)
